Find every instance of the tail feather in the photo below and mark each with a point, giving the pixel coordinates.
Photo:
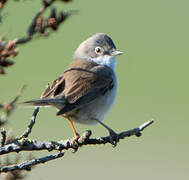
(44, 102)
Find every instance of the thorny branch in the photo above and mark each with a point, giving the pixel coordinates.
(39, 25)
(9, 107)
(25, 144)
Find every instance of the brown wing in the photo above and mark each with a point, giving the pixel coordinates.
(58, 86)
(55, 90)
(80, 86)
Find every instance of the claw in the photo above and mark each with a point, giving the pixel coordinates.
(75, 144)
(114, 138)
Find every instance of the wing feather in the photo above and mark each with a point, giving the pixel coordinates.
(79, 86)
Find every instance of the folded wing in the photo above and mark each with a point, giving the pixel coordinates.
(78, 86)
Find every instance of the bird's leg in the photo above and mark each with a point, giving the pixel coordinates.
(77, 136)
(113, 135)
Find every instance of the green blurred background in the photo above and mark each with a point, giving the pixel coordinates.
(153, 84)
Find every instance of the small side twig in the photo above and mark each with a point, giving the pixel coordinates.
(18, 95)
(28, 164)
(9, 107)
(3, 138)
(32, 122)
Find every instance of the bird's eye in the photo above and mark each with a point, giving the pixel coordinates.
(98, 50)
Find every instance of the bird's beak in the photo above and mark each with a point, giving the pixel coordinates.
(116, 53)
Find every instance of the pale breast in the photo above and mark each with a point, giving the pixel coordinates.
(96, 109)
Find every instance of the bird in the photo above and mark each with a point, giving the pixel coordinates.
(87, 89)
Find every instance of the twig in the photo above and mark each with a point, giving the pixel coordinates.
(18, 95)
(3, 139)
(32, 122)
(40, 25)
(28, 164)
(26, 144)
(9, 107)
(143, 126)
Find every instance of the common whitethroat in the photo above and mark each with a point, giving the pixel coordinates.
(87, 89)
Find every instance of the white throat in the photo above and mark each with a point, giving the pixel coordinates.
(106, 60)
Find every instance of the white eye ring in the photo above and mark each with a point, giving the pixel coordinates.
(98, 49)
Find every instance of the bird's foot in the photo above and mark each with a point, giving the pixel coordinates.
(114, 138)
(74, 141)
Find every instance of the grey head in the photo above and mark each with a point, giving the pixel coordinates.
(99, 44)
